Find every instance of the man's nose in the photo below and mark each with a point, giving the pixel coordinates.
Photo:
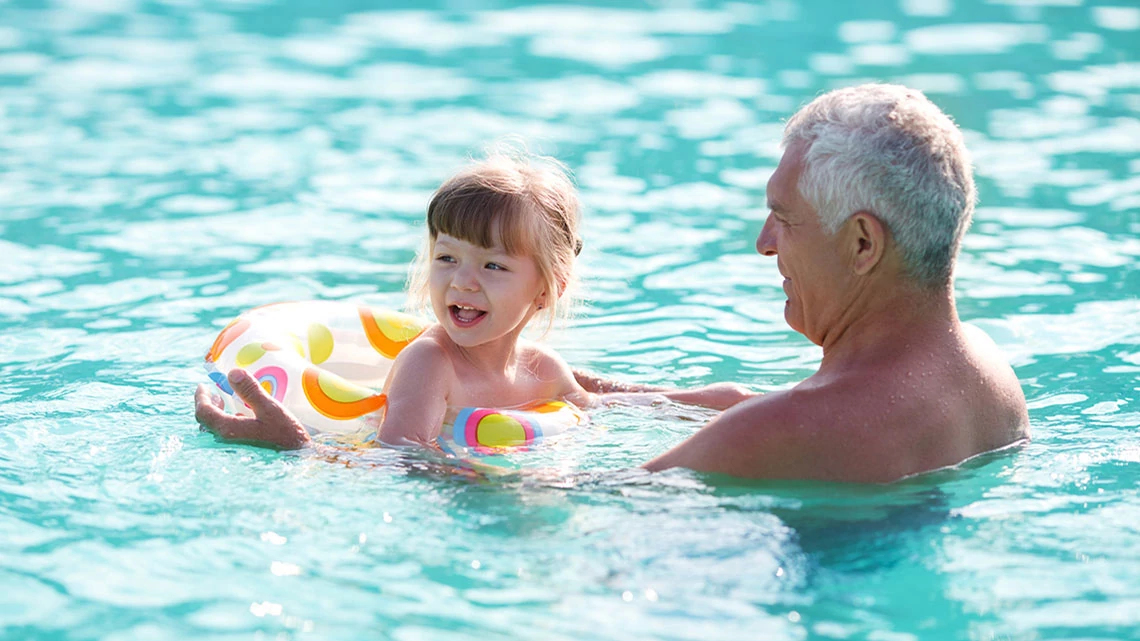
(766, 241)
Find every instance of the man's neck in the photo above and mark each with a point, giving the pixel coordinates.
(899, 316)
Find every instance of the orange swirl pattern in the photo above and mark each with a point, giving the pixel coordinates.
(337, 398)
(389, 332)
(227, 336)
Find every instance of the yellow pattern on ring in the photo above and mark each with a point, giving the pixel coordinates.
(250, 354)
(320, 343)
(499, 430)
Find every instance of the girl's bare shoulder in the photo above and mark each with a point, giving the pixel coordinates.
(429, 352)
(550, 371)
(539, 356)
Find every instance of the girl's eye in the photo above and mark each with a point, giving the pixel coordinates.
(444, 258)
(495, 267)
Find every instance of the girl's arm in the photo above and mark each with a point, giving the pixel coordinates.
(417, 390)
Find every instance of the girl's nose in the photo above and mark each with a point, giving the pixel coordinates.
(766, 241)
(464, 280)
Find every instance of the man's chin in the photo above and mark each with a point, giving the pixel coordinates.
(791, 318)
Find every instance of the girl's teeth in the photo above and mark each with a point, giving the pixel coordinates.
(467, 314)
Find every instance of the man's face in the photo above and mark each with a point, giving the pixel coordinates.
(808, 257)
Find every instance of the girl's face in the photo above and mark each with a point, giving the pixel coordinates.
(481, 294)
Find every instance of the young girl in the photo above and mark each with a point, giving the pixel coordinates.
(502, 242)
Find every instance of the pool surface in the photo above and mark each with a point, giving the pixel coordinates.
(165, 165)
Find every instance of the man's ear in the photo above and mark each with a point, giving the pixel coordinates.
(867, 241)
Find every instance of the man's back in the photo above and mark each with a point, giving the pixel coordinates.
(929, 402)
(923, 400)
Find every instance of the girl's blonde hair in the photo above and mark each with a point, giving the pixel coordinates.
(526, 204)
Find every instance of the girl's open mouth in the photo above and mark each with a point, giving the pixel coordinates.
(464, 316)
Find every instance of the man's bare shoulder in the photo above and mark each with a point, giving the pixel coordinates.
(809, 431)
(1006, 400)
(880, 417)
(865, 427)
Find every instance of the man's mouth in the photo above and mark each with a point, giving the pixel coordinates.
(464, 316)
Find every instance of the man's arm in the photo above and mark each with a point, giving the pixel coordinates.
(717, 396)
(595, 384)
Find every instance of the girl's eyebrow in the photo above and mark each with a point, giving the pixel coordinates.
(492, 252)
(498, 255)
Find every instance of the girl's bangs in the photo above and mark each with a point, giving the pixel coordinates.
(483, 219)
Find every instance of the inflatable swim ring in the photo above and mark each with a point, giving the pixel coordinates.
(486, 430)
(326, 362)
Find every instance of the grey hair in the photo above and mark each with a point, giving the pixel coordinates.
(889, 151)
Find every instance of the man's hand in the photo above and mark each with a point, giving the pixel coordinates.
(271, 423)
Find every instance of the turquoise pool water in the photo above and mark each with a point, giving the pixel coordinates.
(165, 165)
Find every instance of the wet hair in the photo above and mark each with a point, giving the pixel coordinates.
(524, 203)
(888, 150)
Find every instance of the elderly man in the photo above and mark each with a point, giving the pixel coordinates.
(868, 207)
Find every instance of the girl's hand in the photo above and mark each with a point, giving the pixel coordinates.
(271, 424)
